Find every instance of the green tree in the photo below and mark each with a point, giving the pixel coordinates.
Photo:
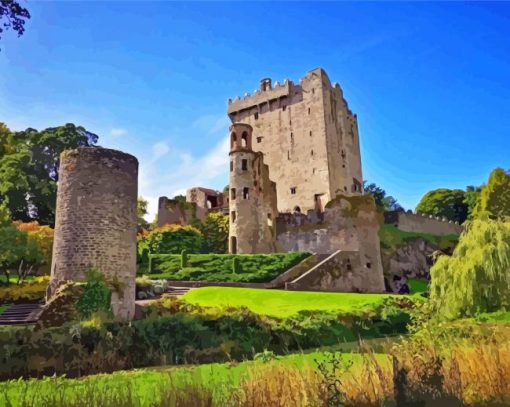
(476, 278)
(12, 15)
(29, 168)
(448, 203)
(215, 230)
(18, 252)
(494, 201)
(471, 197)
(387, 202)
(141, 212)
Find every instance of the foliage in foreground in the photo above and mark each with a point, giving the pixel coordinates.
(256, 268)
(476, 278)
(31, 291)
(177, 333)
(494, 200)
(443, 202)
(437, 366)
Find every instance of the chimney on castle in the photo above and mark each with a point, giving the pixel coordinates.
(265, 84)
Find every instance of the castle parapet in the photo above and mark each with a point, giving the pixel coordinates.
(260, 97)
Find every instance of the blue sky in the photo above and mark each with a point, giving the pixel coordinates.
(430, 82)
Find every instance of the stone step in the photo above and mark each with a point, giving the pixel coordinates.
(18, 314)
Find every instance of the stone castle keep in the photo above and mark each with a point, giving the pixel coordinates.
(295, 184)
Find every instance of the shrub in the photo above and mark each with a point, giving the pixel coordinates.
(476, 278)
(257, 268)
(184, 259)
(96, 296)
(31, 291)
(169, 239)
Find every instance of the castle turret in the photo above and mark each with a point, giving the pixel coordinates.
(252, 196)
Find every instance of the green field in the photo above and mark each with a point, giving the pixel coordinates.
(417, 285)
(392, 237)
(143, 387)
(253, 268)
(280, 303)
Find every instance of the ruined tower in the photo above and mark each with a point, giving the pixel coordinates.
(96, 222)
(309, 139)
(252, 196)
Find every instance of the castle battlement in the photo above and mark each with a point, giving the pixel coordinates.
(260, 96)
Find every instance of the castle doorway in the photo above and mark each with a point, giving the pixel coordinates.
(320, 202)
(233, 245)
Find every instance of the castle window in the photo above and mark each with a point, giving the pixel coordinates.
(293, 190)
(313, 91)
(308, 110)
(244, 139)
(311, 153)
(292, 137)
(231, 166)
(259, 139)
(313, 171)
(369, 265)
(288, 155)
(284, 107)
(233, 194)
(310, 133)
(246, 192)
(233, 216)
(269, 216)
(343, 154)
(256, 115)
(244, 165)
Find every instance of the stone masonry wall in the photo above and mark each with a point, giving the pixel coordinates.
(96, 221)
(411, 222)
(309, 139)
(350, 224)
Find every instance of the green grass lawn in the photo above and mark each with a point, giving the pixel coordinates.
(280, 303)
(143, 386)
(3, 308)
(392, 237)
(253, 268)
(14, 279)
(417, 285)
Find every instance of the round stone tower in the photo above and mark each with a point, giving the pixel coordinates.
(252, 196)
(96, 222)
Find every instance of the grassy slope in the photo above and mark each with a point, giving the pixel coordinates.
(417, 285)
(147, 383)
(256, 268)
(279, 303)
(392, 237)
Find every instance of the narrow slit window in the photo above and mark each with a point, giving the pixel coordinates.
(246, 193)
(244, 165)
(259, 139)
(233, 194)
(231, 166)
(233, 216)
(293, 190)
(256, 116)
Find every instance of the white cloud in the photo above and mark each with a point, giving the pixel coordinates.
(159, 150)
(117, 132)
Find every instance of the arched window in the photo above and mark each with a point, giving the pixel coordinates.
(233, 139)
(244, 139)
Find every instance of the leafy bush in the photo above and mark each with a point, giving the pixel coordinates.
(476, 278)
(185, 334)
(96, 295)
(254, 268)
(391, 237)
(31, 291)
(169, 239)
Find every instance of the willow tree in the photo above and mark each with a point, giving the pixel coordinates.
(476, 278)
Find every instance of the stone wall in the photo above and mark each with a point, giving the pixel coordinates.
(309, 139)
(350, 224)
(171, 211)
(96, 221)
(341, 271)
(421, 223)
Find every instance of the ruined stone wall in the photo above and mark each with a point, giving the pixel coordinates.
(308, 137)
(421, 223)
(350, 224)
(96, 221)
(342, 271)
(253, 197)
(172, 212)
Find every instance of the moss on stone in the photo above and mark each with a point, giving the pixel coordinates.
(355, 204)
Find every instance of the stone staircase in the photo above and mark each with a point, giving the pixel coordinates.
(19, 314)
(177, 291)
